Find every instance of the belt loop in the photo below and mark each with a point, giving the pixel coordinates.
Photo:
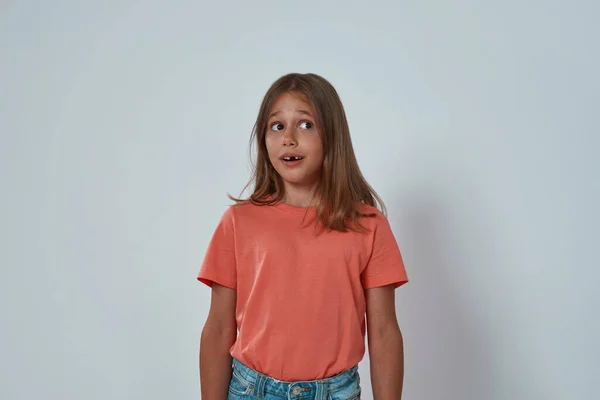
(259, 386)
(322, 391)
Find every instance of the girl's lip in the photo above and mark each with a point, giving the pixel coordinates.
(291, 163)
(290, 155)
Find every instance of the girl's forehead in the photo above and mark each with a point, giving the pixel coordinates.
(291, 101)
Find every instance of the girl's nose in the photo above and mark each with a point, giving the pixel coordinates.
(289, 137)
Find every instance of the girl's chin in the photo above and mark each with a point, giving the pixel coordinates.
(298, 177)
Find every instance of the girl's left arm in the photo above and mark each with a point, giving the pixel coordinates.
(386, 349)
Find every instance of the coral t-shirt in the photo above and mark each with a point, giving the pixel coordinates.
(301, 306)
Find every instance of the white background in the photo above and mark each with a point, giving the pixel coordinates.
(125, 123)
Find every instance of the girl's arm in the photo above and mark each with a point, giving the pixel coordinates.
(218, 335)
(386, 352)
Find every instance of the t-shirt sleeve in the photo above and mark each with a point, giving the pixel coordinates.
(219, 263)
(385, 266)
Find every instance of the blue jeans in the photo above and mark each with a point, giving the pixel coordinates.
(248, 384)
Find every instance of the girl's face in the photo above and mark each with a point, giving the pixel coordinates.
(294, 142)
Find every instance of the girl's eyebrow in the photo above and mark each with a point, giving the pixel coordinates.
(297, 111)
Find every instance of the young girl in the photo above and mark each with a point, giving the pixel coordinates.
(296, 266)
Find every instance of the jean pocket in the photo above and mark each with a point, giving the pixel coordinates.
(351, 390)
(238, 385)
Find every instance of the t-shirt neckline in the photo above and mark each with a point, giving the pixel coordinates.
(293, 209)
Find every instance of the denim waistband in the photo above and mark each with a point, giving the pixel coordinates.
(316, 389)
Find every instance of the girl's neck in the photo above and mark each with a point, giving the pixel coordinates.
(298, 197)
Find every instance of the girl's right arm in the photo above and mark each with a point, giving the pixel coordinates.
(218, 335)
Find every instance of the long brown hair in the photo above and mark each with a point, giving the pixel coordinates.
(342, 184)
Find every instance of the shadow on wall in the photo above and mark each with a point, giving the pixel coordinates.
(445, 344)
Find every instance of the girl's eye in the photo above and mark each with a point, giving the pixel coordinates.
(306, 125)
(277, 126)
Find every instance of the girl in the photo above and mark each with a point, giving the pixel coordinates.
(296, 266)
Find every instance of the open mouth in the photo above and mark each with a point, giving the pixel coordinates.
(291, 161)
(292, 158)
